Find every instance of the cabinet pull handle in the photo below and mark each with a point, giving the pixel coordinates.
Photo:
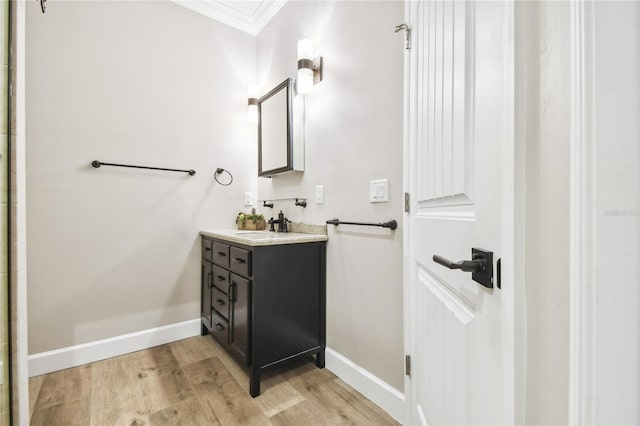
(220, 302)
(207, 249)
(221, 253)
(239, 260)
(219, 326)
(221, 278)
(232, 292)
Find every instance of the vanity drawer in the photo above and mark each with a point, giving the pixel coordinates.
(220, 329)
(220, 302)
(240, 261)
(221, 278)
(220, 254)
(206, 249)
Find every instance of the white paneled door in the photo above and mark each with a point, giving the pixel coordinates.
(459, 162)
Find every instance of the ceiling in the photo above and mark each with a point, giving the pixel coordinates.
(249, 16)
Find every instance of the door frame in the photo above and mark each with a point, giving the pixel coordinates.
(513, 191)
(582, 297)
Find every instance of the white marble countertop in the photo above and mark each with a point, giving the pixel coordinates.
(263, 238)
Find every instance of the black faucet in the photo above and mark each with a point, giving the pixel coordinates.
(281, 221)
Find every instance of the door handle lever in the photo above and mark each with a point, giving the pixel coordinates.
(475, 265)
(481, 265)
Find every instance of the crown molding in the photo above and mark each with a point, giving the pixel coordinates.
(250, 24)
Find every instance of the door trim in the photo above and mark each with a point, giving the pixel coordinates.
(406, 219)
(582, 287)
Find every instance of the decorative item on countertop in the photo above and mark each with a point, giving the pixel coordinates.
(252, 221)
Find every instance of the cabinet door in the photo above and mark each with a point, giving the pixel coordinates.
(240, 298)
(205, 302)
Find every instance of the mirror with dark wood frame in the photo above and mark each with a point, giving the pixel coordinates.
(275, 130)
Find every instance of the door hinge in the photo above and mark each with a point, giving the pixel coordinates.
(407, 30)
(406, 202)
(407, 365)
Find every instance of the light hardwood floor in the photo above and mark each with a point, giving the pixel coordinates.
(194, 382)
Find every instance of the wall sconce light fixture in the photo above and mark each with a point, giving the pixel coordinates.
(309, 68)
(252, 112)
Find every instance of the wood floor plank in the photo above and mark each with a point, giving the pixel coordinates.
(362, 404)
(171, 385)
(311, 379)
(191, 350)
(152, 380)
(339, 407)
(277, 393)
(153, 357)
(185, 413)
(238, 372)
(303, 413)
(35, 384)
(225, 402)
(277, 398)
(164, 385)
(73, 413)
(113, 393)
(64, 386)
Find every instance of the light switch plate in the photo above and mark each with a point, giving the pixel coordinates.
(320, 194)
(379, 191)
(248, 199)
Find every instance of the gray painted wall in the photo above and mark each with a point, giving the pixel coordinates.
(353, 132)
(113, 251)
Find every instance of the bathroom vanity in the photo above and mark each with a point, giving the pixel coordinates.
(263, 296)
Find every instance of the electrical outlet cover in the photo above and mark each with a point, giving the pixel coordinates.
(319, 194)
(379, 191)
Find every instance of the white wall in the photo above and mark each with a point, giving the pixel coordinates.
(110, 250)
(353, 135)
(547, 120)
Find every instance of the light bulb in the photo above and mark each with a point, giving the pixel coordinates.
(305, 70)
(305, 81)
(252, 114)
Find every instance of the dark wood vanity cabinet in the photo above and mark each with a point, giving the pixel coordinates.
(265, 304)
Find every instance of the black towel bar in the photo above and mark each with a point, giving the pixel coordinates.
(97, 164)
(392, 224)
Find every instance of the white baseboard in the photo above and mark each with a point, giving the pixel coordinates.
(380, 393)
(72, 356)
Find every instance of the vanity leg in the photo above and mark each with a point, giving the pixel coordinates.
(320, 359)
(254, 382)
(203, 330)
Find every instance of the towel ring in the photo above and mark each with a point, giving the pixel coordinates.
(220, 171)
